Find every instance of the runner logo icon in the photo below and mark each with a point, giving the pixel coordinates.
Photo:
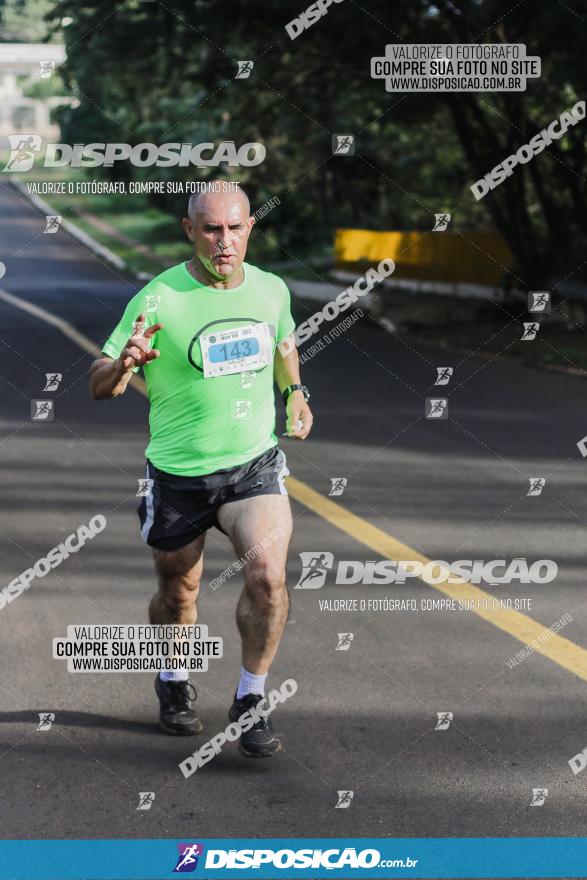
(344, 641)
(244, 69)
(444, 374)
(46, 719)
(344, 800)
(187, 861)
(531, 328)
(23, 149)
(537, 484)
(315, 567)
(338, 485)
(444, 719)
(42, 410)
(436, 408)
(539, 301)
(539, 796)
(53, 223)
(441, 222)
(343, 145)
(146, 799)
(145, 487)
(53, 380)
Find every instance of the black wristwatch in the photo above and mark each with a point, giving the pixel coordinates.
(287, 391)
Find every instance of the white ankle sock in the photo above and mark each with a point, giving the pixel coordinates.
(174, 675)
(250, 684)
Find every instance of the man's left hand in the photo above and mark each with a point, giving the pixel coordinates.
(299, 416)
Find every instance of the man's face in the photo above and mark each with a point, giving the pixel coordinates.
(220, 233)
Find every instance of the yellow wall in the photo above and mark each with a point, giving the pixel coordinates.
(470, 257)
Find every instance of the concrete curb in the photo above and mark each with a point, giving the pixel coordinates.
(320, 292)
(72, 229)
(308, 291)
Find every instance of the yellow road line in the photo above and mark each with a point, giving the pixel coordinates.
(524, 629)
(558, 649)
(66, 328)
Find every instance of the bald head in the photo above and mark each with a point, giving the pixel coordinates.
(219, 225)
(209, 201)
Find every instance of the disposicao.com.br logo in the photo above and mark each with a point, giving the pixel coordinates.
(26, 148)
(316, 565)
(286, 858)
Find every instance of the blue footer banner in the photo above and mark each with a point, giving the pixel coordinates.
(487, 857)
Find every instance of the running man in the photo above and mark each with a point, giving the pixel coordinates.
(208, 334)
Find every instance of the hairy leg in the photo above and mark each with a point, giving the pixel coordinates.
(179, 573)
(260, 530)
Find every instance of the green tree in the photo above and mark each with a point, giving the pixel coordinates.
(23, 21)
(148, 72)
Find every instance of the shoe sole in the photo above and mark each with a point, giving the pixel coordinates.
(247, 754)
(177, 732)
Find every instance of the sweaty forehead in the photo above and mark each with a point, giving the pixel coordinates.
(219, 208)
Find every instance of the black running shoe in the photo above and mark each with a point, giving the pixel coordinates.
(176, 714)
(260, 741)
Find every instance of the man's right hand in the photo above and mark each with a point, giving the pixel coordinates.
(137, 350)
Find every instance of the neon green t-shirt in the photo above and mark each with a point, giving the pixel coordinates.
(211, 390)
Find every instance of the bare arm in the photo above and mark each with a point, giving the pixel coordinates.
(109, 377)
(286, 371)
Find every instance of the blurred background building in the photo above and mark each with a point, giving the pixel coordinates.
(25, 104)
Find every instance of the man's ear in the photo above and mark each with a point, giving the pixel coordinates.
(251, 221)
(188, 228)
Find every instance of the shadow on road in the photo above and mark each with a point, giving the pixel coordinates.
(81, 719)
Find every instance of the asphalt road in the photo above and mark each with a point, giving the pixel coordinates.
(363, 719)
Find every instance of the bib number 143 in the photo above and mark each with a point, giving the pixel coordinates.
(236, 351)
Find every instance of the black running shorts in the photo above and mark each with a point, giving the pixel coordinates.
(178, 509)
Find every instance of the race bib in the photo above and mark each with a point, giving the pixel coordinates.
(236, 351)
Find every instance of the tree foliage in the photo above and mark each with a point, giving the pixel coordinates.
(161, 71)
(22, 21)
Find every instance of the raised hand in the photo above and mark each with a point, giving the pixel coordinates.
(137, 350)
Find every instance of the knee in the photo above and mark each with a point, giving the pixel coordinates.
(266, 583)
(179, 593)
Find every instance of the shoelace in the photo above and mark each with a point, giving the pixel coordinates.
(250, 701)
(181, 694)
